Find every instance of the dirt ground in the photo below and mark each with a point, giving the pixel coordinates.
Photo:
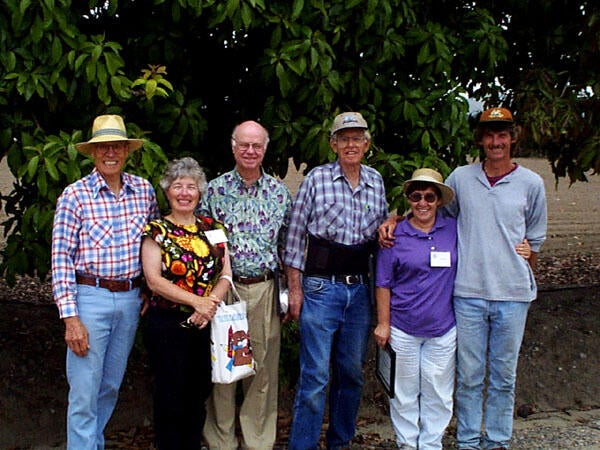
(559, 366)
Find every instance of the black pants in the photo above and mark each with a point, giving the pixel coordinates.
(180, 359)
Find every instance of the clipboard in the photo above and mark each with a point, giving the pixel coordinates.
(385, 368)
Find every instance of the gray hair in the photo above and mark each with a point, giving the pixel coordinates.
(334, 135)
(184, 167)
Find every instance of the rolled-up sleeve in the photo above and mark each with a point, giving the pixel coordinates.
(296, 235)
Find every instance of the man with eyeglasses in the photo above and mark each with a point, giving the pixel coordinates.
(254, 207)
(500, 208)
(332, 234)
(96, 277)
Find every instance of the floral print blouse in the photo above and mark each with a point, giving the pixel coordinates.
(188, 258)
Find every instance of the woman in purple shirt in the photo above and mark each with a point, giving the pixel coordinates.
(415, 279)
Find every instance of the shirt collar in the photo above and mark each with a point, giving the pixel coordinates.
(238, 178)
(440, 222)
(366, 177)
(98, 183)
(498, 180)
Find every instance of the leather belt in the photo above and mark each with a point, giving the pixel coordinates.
(269, 275)
(346, 279)
(110, 284)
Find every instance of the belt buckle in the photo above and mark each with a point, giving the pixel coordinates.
(111, 285)
(351, 279)
(118, 285)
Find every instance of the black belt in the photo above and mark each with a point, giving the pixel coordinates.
(346, 279)
(107, 283)
(269, 275)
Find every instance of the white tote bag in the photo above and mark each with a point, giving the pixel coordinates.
(230, 347)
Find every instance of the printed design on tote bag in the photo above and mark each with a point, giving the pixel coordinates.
(238, 348)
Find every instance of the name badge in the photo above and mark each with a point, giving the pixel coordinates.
(215, 236)
(439, 259)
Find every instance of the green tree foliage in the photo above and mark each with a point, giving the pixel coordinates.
(550, 79)
(184, 72)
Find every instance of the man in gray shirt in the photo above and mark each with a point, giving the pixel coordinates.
(498, 205)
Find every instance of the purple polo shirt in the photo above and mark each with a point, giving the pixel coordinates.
(421, 295)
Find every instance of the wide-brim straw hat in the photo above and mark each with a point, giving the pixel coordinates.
(434, 177)
(108, 128)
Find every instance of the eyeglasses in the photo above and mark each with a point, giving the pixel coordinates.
(245, 146)
(344, 141)
(416, 197)
(180, 187)
(116, 147)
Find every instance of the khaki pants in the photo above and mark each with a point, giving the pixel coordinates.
(258, 412)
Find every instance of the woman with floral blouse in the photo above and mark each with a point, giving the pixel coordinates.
(185, 259)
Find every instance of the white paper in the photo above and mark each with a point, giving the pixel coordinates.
(440, 259)
(215, 236)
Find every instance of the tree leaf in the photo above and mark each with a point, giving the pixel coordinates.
(32, 167)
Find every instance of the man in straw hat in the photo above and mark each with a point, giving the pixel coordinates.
(335, 217)
(96, 277)
(501, 208)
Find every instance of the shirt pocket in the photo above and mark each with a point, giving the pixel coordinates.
(136, 227)
(101, 235)
(370, 222)
(333, 219)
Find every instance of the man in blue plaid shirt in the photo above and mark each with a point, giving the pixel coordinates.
(96, 276)
(331, 235)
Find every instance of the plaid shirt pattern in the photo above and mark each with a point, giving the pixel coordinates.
(327, 207)
(97, 233)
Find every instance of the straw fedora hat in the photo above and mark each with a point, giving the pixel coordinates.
(108, 128)
(433, 177)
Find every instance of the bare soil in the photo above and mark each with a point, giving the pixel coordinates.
(559, 366)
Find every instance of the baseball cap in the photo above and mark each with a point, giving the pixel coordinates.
(496, 115)
(348, 120)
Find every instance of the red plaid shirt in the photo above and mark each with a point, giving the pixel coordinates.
(97, 233)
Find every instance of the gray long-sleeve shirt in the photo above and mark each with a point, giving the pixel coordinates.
(492, 220)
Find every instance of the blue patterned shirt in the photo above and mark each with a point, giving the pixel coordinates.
(256, 218)
(98, 233)
(327, 207)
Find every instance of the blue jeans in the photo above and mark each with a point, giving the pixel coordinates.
(111, 320)
(334, 328)
(492, 332)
